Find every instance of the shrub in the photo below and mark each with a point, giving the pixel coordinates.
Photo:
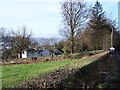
(78, 56)
(67, 56)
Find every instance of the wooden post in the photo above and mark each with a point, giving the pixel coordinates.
(112, 38)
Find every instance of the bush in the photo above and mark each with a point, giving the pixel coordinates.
(79, 56)
(67, 56)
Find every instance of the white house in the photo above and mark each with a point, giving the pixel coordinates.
(24, 54)
(29, 54)
(35, 53)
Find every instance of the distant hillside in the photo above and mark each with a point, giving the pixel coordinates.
(42, 40)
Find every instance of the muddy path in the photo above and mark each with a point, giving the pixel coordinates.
(113, 69)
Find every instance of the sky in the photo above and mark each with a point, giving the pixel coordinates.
(42, 17)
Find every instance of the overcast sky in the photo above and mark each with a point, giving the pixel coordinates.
(42, 17)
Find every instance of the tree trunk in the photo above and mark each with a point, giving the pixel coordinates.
(72, 36)
(72, 46)
(52, 54)
(20, 54)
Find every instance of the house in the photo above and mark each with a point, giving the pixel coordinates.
(32, 53)
(58, 52)
(44, 53)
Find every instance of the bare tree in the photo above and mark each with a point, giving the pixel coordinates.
(2, 31)
(74, 16)
(20, 40)
(4, 41)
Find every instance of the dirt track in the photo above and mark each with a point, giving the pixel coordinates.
(113, 69)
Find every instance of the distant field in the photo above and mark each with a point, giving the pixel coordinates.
(14, 74)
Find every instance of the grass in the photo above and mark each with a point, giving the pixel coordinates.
(14, 74)
(97, 51)
(0, 77)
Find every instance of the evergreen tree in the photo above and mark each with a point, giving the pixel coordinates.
(99, 26)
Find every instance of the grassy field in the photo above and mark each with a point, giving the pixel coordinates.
(14, 74)
(0, 77)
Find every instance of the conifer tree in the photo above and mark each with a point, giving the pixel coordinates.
(99, 26)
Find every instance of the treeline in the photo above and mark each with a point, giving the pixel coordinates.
(88, 28)
(85, 29)
(15, 42)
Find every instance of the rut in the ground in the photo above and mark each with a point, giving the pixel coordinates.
(113, 69)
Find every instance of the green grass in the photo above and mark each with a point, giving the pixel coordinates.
(97, 51)
(0, 77)
(14, 74)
